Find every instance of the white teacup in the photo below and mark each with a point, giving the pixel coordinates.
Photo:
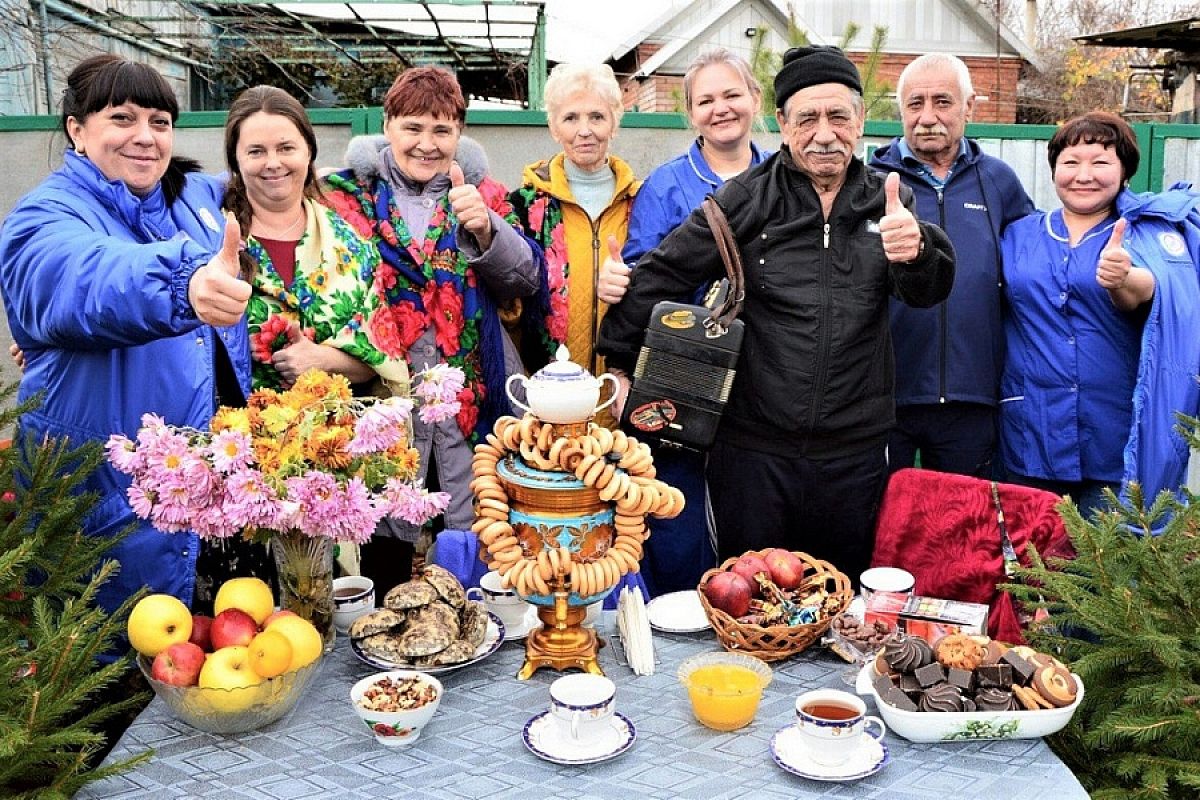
(502, 601)
(885, 579)
(353, 596)
(582, 704)
(832, 724)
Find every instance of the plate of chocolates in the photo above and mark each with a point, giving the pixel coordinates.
(964, 688)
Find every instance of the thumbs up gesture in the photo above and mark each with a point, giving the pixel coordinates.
(469, 207)
(898, 228)
(1112, 270)
(614, 275)
(216, 293)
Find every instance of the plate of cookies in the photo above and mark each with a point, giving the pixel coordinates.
(966, 688)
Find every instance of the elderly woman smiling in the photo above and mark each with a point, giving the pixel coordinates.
(576, 205)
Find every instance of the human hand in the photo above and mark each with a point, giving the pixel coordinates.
(469, 207)
(623, 384)
(298, 356)
(216, 293)
(898, 228)
(18, 356)
(614, 275)
(1112, 270)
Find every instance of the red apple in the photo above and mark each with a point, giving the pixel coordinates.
(787, 570)
(202, 632)
(179, 664)
(232, 627)
(749, 565)
(729, 592)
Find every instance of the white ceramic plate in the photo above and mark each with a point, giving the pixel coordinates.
(789, 752)
(491, 643)
(677, 612)
(541, 735)
(966, 726)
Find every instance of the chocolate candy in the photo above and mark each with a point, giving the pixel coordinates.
(942, 697)
(1023, 670)
(962, 679)
(930, 675)
(910, 685)
(995, 675)
(995, 699)
(899, 699)
(882, 683)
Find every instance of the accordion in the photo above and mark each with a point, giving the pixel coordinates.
(683, 376)
(686, 366)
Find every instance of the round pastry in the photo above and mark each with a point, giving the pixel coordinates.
(1042, 660)
(882, 667)
(1056, 684)
(995, 699)
(941, 697)
(906, 653)
(1025, 651)
(960, 651)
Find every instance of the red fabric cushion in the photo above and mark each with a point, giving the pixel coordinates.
(943, 529)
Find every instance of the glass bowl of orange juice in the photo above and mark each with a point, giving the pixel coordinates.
(724, 688)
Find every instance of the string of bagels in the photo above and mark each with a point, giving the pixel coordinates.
(617, 466)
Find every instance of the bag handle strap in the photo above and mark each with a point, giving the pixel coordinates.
(1007, 552)
(722, 316)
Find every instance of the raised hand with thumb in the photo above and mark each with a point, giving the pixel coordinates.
(469, 207)
(613, 281)
(898, 228)
(216, 291)
(1114, 264)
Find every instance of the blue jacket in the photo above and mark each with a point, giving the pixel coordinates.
(1162, 236)
(669, 193)
(954, 351)
(95, 282)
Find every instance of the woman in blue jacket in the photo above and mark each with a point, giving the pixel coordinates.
(120, 283)
(723, 100)
(1102, 311)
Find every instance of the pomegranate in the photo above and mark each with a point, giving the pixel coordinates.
(787, 570)
(749, 565)
(729, 592)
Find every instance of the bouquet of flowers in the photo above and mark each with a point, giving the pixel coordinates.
(305, 468)
(312, 459)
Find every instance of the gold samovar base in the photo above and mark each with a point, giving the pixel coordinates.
(562, 642)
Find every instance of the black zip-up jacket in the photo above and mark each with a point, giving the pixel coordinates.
(815, 376)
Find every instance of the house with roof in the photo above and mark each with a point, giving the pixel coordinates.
(651, 62)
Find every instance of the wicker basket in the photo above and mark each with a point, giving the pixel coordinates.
(777, 642)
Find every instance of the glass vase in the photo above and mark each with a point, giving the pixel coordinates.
(305, 568)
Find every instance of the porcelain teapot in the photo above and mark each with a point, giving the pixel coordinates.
(562, 391)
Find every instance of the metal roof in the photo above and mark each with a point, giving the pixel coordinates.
(1181, 34)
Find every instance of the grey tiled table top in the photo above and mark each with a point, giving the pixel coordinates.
(473, 746)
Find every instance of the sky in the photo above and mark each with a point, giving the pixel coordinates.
(572, 25)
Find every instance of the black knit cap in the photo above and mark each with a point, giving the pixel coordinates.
(811, 65)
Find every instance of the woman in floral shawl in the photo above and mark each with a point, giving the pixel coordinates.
(312, 278)
(576, 205)
(447, 259)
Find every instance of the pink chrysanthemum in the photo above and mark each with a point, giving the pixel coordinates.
(231, 450)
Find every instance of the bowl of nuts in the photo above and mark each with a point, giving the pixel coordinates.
(856, 641)
(396, 705)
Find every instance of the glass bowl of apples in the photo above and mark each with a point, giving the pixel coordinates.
(233, 710)
(242, 669)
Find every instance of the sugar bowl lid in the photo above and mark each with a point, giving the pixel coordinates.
(562, 369)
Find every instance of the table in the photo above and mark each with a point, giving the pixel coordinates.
(473, 746)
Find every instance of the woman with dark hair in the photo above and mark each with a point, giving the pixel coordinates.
(120, 284)
(1100, 325)
(315, 304)
(447, 258)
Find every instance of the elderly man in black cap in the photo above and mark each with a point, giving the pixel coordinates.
(799, 460)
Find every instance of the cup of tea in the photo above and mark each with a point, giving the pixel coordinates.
(353, 596)
(582, 704)
(832, 724)
(885, 579)
(502, 601)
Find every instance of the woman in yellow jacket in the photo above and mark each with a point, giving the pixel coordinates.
(576, 205)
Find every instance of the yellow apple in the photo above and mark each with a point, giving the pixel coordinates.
(306, 642)
(157, 622)
(251, 595)
(229, 669)
(270, 654)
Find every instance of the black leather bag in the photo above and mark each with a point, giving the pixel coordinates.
(688, 359)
